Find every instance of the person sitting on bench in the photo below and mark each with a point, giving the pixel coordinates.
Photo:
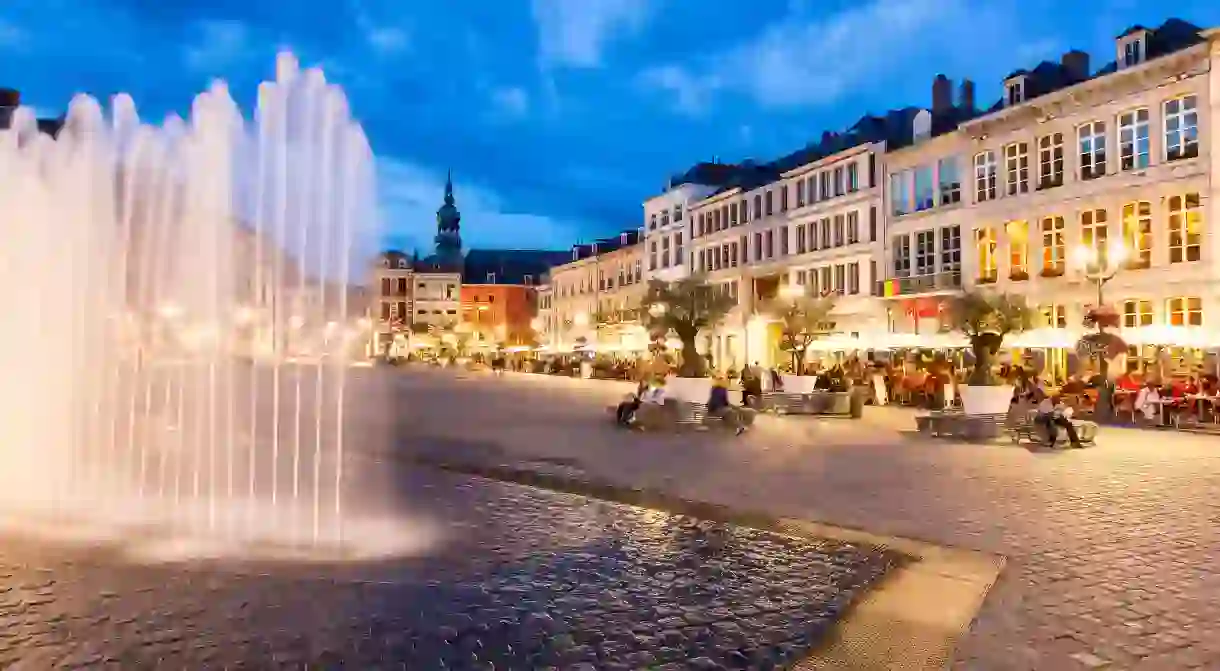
(718, 406)
(1053, 414)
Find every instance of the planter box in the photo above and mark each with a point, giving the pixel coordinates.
(689, 389)
(799, 384)
(986, 400)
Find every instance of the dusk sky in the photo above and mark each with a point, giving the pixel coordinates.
(558, 117)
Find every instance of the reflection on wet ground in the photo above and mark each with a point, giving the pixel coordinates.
(519, 578)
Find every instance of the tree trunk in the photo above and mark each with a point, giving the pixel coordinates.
(692, 361)
(984, 353)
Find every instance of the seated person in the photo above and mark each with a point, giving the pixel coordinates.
(1074, 385)
(1053, 415)
(1148, 401)
(718, 406)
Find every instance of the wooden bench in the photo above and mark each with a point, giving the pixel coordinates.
(1025, 426)
(957, 424)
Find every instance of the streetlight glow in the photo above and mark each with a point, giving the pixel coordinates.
(581, 319)
(791, 291)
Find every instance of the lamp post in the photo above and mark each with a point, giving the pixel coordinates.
(1100, 268)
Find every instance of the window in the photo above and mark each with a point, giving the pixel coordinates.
(1185, 311)
(813, 237)
(985, 251)
(984, 176)
(853, 177)
(732, 214)
(771, 244)
(734, 253)
(900, 193)
(652, 223)
(783, 241)
(1137, 313)
(783, 198)
(1052, 316)
(1018, 250)
(824, 185)
(744, 208)
(925, 193)
(1137, 234)
(768, 203)
(664, 218)
(827, 285)
(839, 181)
(826, 233)
(1133, 140)
(1050, 161)
(1185, 228)
(853, 278)
(677, 213)
(652, 255)
(1016, 167)
(839, 230)
(677, 248)
(800, 193)
(950, 181)
(702, 224)
(1133, 52)
(665, 252)
(1015, 91)
(1181, 128)
(925, 253)
(1054, 246)
(1095, 234)
(951, 249)
(758, 208)
(800, 240)
(840, 278)
(902, 256)
(1092, 137)
(853, 227)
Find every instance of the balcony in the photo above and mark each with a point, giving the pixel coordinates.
(920, 284)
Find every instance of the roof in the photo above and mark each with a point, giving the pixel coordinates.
(1047, 77)
(895, 128)
(603, 246)
(510, 266)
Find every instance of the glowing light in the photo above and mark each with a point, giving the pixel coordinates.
(581, 319)
(791, 291)
(169, 311)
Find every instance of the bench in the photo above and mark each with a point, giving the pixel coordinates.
(1023, 426)
(836, 403)
(957, 424)
(679, 415)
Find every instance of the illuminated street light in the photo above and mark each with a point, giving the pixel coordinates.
(536, 324)
(581, 319)
(790, 292)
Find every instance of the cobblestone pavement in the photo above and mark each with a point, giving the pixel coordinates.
(520, 579)
(1112, 550)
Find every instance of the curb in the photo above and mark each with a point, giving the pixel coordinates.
(910, 620)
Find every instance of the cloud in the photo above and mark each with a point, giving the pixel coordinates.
(512, 102)
(409, 195)
(388, 40)
(219, 44)
(809, 61)
(11, 35)
(576, 33)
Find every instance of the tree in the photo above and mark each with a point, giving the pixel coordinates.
(986, 318)
(685, 307)
(803, 319)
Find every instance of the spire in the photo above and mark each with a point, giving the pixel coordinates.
(449, 187)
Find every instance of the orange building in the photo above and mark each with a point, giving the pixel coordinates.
(500, 293)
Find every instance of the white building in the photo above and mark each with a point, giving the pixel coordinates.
(1072, 163)
(666, 221)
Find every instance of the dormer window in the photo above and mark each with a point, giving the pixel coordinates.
(921, 125)
(491, 278)
(1132, 48)
(1014, 90)
(402, 263)
(622, 238)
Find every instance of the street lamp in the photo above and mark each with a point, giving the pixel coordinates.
(1098, 267)
(581, 319)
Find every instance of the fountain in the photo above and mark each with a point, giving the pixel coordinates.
(180, 315)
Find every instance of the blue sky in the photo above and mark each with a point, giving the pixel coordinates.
(558, 117)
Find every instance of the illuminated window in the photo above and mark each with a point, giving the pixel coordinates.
(1095, 233)
(985, 252)
(1137, 233)
(1137, 313)
(1185, 228)
(1018, 250)
(1054, 246)
(1052, 316)
(984, 176)
(1185, 311)
(1181, 128)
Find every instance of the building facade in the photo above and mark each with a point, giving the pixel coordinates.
(1075, 174)
(500, 294)
(594, 297)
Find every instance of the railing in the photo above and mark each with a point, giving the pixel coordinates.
(905, 286)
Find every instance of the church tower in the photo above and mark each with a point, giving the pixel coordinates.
(449, 228)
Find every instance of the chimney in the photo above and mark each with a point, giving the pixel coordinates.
(1075, 64)
(942, 94)
(10, 98)
(965, 99)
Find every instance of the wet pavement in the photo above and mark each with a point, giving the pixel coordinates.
(519, 578)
